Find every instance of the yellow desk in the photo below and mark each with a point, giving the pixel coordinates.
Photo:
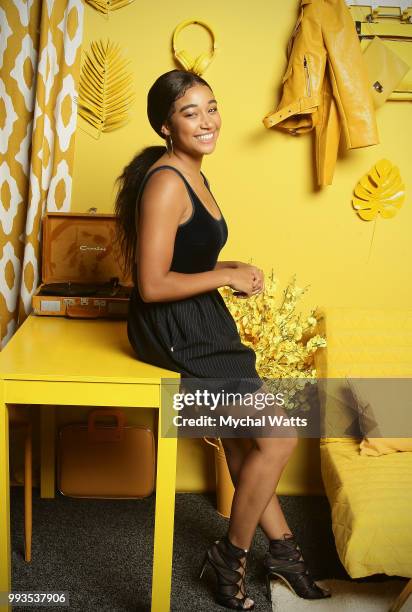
(53, 361)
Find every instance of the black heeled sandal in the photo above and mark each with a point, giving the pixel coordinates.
(285, 562)
(227, 559)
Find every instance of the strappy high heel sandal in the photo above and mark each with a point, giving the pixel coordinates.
(285, 562)
(227, 559)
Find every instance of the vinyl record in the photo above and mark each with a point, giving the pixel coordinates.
(109, 289)
(70, 289)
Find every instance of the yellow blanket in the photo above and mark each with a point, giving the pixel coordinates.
(371, 501)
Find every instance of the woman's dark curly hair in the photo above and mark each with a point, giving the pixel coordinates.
(161, 99)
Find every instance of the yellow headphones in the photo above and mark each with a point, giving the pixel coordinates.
(200, 63)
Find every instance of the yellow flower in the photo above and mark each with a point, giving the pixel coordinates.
(282, 339)
(298, 333)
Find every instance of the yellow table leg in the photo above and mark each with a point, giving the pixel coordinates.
(164, 520)
(47, 453)
(402, 598)
(5, 549)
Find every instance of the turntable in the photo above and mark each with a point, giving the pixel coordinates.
(82, 268)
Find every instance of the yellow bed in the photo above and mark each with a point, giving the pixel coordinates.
(371, 502)
(370, 497)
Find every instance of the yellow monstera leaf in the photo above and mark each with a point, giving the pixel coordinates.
(380, 191)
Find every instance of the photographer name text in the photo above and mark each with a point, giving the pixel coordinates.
(235, 422)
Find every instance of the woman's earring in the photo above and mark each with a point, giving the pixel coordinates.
(169, 144)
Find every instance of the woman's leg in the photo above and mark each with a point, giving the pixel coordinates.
(256, 472)
(255, 482)
(272, 520)
(257, 479)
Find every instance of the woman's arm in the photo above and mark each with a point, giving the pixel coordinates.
(162, 208)
(228, 264)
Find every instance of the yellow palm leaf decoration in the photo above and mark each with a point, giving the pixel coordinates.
(106, 6)
(105, 88)
(380, 191)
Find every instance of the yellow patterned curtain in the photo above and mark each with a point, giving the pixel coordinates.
(40, 47)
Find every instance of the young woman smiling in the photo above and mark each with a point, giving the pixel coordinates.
(171, 232)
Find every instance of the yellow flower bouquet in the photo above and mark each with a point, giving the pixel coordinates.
(283, 339)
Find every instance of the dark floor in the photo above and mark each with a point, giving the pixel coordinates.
(100, 551)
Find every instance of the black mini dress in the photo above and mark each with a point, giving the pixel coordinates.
(195, 336)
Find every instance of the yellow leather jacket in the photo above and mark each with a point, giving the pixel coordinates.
(325, 84)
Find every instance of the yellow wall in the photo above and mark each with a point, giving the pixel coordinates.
(263, 180)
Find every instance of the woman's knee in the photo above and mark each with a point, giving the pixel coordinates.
(277, 448)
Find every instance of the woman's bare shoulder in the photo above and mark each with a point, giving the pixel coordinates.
(164, 178)
(163, 194)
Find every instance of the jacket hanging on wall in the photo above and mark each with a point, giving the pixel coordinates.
(325, 86)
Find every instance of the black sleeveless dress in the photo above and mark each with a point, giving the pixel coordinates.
(195, 336)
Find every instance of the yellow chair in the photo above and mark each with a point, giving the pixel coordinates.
(20, 418)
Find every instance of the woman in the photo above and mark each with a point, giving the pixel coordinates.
(171, 231)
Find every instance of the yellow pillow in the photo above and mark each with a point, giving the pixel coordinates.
(384, 446)
(385, 414)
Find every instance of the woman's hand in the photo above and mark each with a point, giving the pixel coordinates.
(247, 280)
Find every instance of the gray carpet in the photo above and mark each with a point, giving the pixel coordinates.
(100, 551)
